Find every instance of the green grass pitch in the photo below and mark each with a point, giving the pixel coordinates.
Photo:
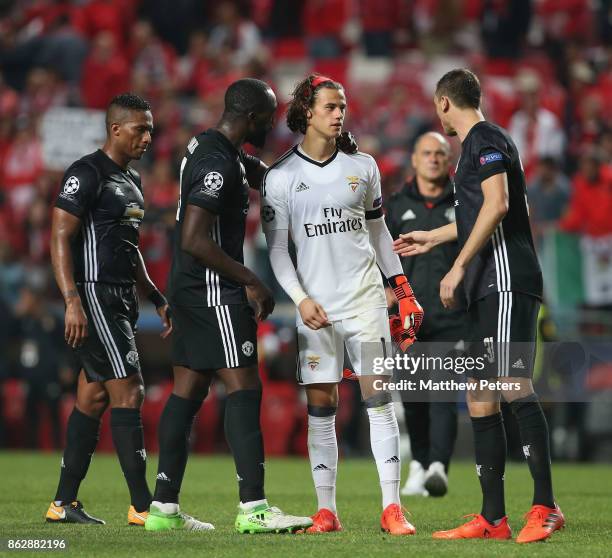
(209, 493)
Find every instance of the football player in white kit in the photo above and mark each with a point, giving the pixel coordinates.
(331, 204)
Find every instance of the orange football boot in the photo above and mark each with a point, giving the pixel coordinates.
(136, 518)
(324, 521)
(394, 522)
(542, 522)
(477, 528)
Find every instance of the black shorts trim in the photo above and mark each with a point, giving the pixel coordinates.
(211, 338)
(504, 330)
(109, 352)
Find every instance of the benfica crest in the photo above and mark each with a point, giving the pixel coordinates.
(313, 361)
(353, 182)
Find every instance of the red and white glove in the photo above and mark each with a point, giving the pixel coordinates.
(400, 336)
(410, 311)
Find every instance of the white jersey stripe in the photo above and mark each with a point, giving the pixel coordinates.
(103, 332)
(496, 258)
(94, 250)
(231, 330)
(223, 337)
(504, 260)
(508, 335)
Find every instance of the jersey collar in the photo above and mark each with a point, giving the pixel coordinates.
(300, 153)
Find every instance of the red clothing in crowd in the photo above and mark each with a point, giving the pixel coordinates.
(591, 205)
(383, 15)
(103, 79)
(325, 17)
(116, 16)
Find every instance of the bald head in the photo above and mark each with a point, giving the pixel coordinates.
(431, 158)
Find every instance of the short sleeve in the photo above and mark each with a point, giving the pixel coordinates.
(79, 190)
(274, 206)
(373, 200)
(490, 155)
(211, 178)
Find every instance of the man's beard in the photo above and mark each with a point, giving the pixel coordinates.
(258, 139)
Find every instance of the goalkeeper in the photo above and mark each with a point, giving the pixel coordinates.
(331, 204)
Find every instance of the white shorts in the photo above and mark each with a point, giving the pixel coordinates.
(321, 352)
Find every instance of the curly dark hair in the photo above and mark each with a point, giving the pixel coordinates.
(303, 99)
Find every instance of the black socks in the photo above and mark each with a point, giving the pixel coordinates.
(490, 451)
(173, 433)
(128, 437)
(243, 435)
(536, 446)
(81, 438)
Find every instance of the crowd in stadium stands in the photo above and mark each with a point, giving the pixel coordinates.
(545, 67)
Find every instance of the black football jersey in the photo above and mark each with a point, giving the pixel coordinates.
(213, 176)
(508, 261)
(110, 204)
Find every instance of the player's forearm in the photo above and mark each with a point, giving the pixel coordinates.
(210, 255)
(63, 268)
(447, 233)
(282, 266)
(382, 242)
(490, 216)
(143, 282)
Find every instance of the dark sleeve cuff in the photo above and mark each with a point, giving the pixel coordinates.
(70, 207)
(490, 170)
(213, 208)
(374, 214)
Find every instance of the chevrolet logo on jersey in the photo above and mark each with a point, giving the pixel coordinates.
(353, 182)
(133, 214)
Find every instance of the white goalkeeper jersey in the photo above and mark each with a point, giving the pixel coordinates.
(325, 206)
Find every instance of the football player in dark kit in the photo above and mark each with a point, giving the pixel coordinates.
(214, 325)
(98, 266)
(503, 284)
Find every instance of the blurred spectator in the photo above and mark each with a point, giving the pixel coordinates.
(235, 32)
(41, 356)
(381, 20)
(105, 72)
(38, 232)
(152, 60)
(324, 21)
(535, 130)
(113, 16)
(548, 195)
(21, 166)
(504, 27)
(591, 203)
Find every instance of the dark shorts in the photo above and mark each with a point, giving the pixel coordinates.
(110, 349)
(205, 339)
(504, 328)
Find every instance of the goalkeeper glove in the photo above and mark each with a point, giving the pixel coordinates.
(410, 311)
(403, 338)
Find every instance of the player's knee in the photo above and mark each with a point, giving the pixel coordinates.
(378, 400)
(94, 404)
(130, 398)
(321, 411)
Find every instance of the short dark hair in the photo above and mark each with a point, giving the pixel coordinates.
(303, 99)
(461, 86)
(127, 101)
(247, 95)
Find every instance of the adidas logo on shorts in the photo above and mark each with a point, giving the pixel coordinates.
(518, 364)
(163, 477)
(321, 467)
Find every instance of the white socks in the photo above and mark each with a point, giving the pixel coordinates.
(323, 453)
(384, 438)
